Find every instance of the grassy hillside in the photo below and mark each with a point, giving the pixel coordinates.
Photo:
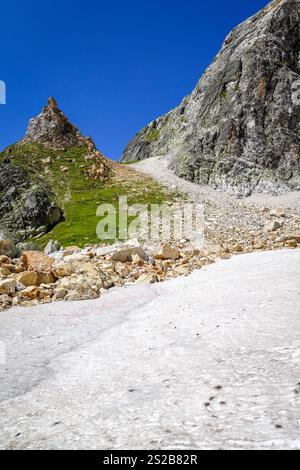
(79, 196)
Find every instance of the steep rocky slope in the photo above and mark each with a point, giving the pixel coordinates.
(240, 128)
(25, 204)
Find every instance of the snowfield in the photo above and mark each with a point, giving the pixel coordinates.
(210, 361)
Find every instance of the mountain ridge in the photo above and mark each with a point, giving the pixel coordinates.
(239, 128)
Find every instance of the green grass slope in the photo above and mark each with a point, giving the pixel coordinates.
(77, 195)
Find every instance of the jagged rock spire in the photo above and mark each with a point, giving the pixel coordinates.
(53, 129)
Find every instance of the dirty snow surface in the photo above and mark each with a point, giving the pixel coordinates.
(211, 361)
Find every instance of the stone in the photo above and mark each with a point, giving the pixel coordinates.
(76, 258)
(239, 128)
(52, 247)
(64, 269)
(166, 252)
(71, 250)
(60, 293)
(30, 293)
(20, 287)
(107, 250)
(13, 268)
(58, 256)
(137, 260)
(8, 286)
(146, 279)
(272, 226)
(44, 295)
(4, 272)
(5, 302)
(121, 270)
(279, 212)
(45, 277)
(37, 261)
(291, 243)
(7, 245)
(88, 269)
(4, 259)
(292, 236)
(125, 254)
(182, 270)
(27, 278)
(80, 287)
(238, 248)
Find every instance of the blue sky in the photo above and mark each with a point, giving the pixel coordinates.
(112, 66)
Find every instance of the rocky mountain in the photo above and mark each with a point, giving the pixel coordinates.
(42, 174)
(53, 129)
(239, 130)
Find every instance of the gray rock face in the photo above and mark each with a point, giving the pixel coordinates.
(7, 245)
(53, 246)
(239, 130)
(25, 204)
(53, 129)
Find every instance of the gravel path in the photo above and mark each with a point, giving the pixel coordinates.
(158, 168)
(210, 361)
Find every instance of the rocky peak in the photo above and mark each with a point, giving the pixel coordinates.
(239, 130)
(53, 129)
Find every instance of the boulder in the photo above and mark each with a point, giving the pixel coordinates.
(125, 254)
(21, 247)
(166, 252)
(27, 278)
(71, 250)
(279, 212)
(80, 287)
(273, 226)
(45, 277)
(122, 270)
(30, 293)
(7, 245)
(4, 259)
(137, 260)
(293, 236)
(146, 278)
(60, 293)
(238, 248)
(64, 269)
(36, 261)
(8, 286)
(52, 247)
(76, 258)
(5, 302)
(292, 243)
(182, 270)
